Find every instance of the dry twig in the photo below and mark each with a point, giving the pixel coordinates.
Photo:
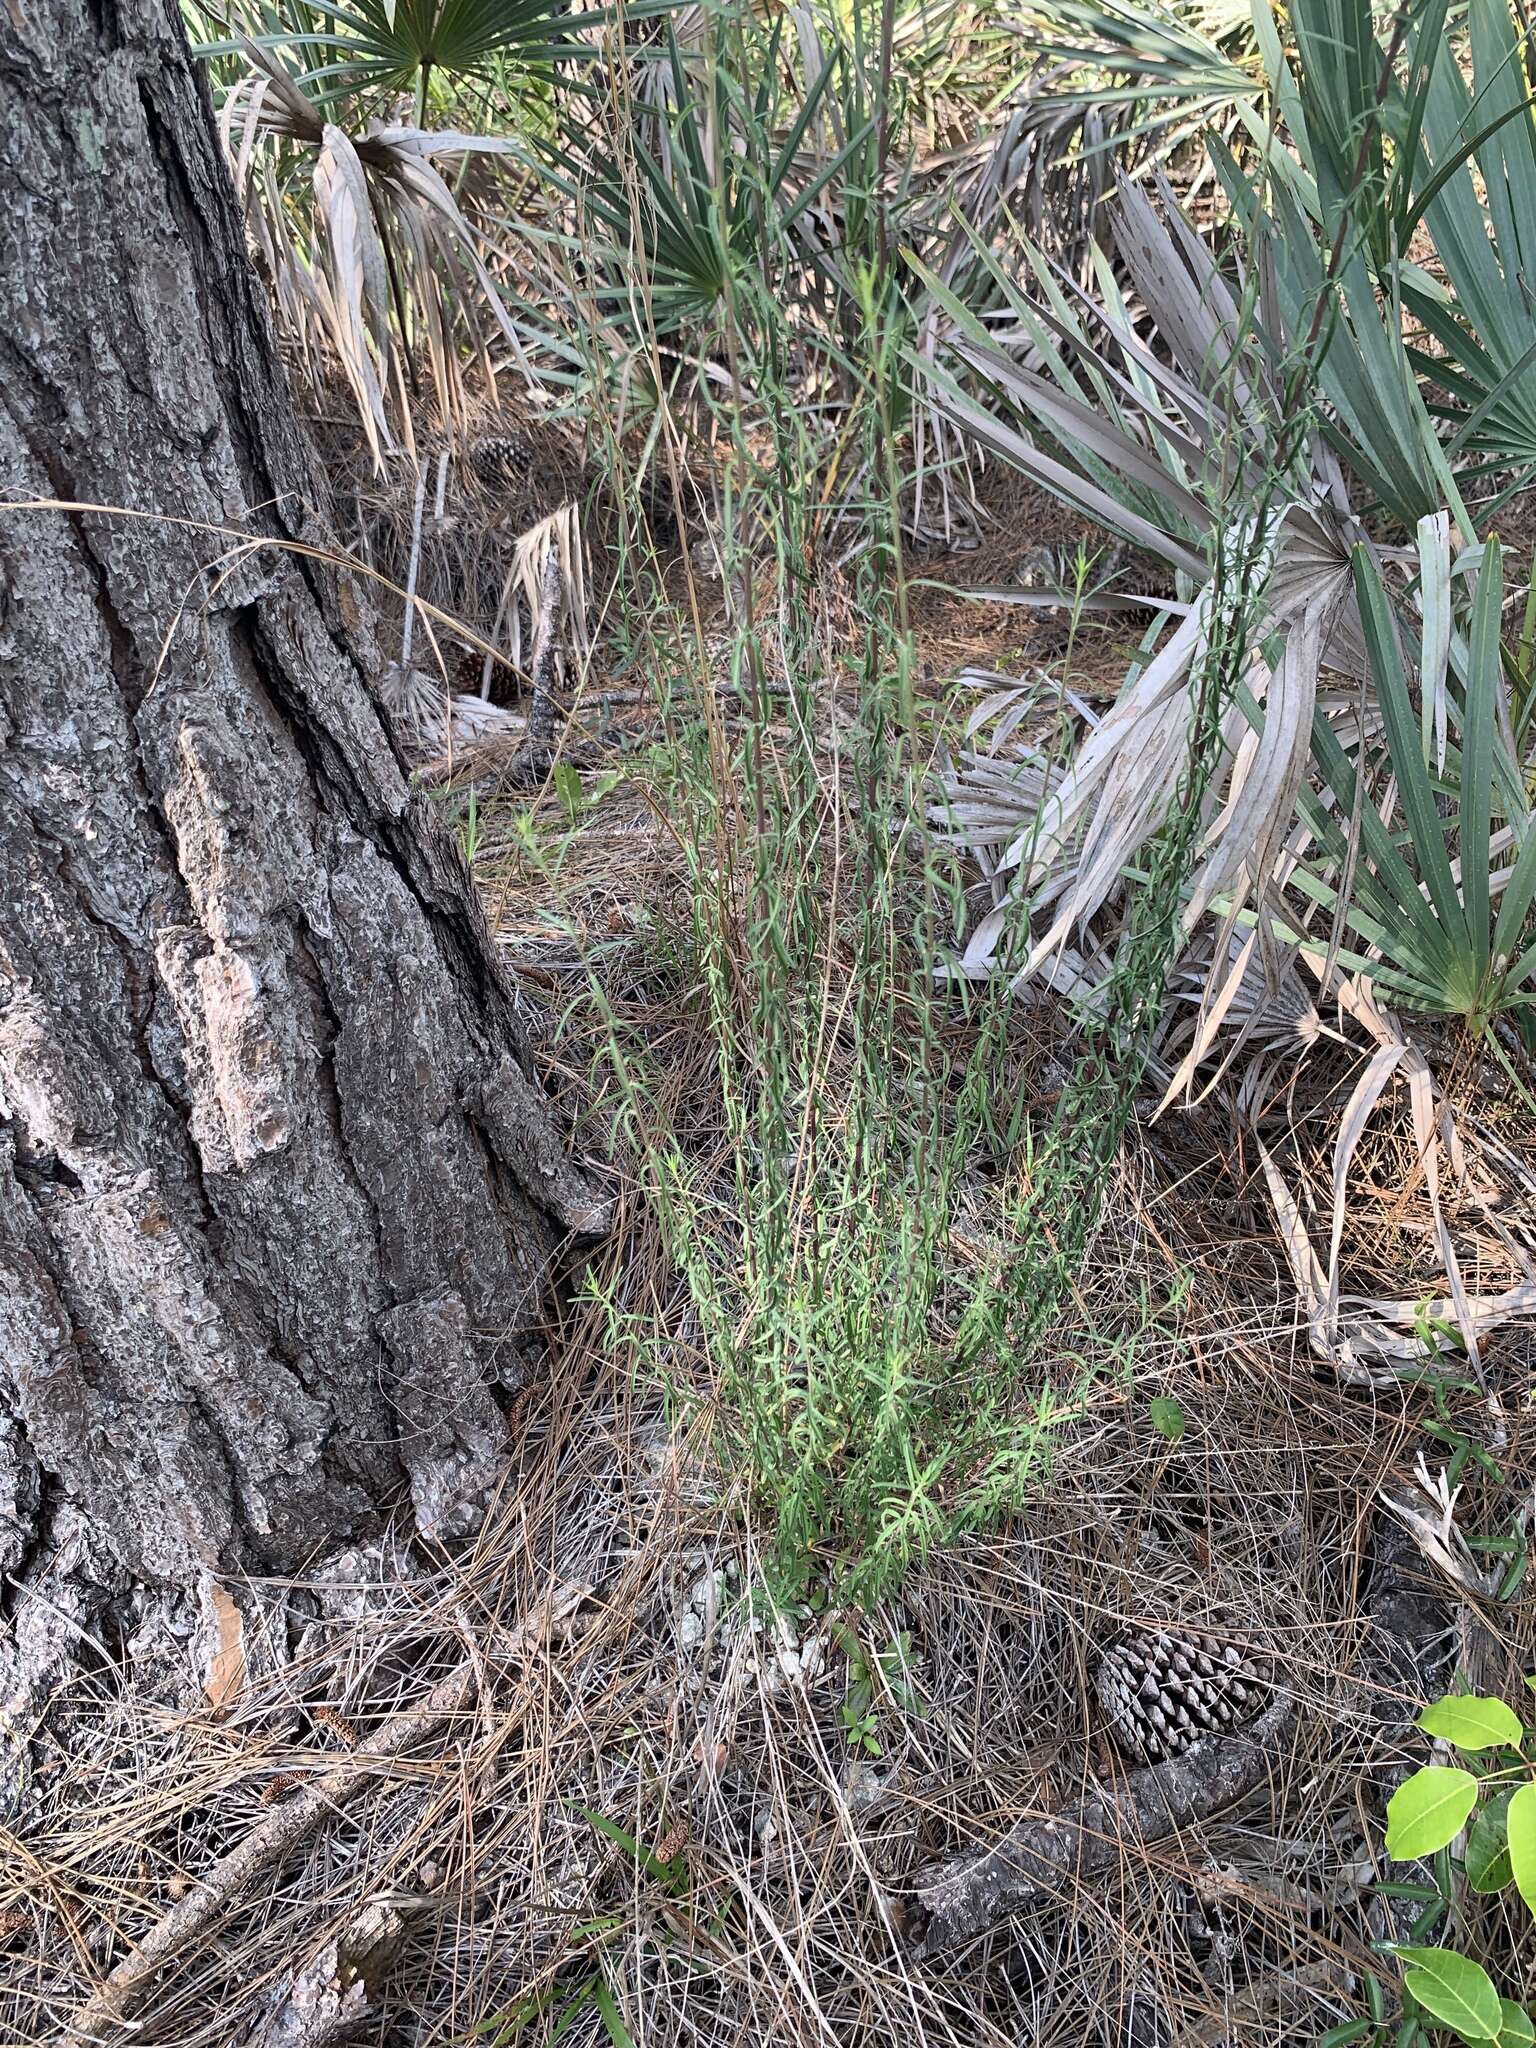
(1041, 1858)
(284, 1829)
(280, 1833)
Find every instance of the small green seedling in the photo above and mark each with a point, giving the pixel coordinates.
(890, 1673)
(1167, 1418)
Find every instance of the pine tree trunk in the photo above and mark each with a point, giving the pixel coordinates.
(278, 1197)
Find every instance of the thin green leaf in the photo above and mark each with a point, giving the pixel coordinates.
(1483, 683)
(613, 2020)
(1454, 165)
(1424, 821)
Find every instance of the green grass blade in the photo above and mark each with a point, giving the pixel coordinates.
(1425, 824)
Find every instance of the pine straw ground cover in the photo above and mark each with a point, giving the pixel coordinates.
(661, 1796)
(657, 1811)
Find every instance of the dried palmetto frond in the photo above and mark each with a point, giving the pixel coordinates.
(1073, 838)
(1049, 168)
(1372, 1340)
(1257, 1001)
(385, 229)
(1133, 436)
(1425, 1504)
(433, 720)
(523, 594)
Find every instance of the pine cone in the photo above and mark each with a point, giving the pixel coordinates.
(502, 462)
(1161, 1690)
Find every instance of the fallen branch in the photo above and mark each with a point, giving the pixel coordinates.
(112, 2003)
(1045, 1858)
(333, 1996)
(952, 1901)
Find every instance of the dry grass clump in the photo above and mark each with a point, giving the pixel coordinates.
(473, 506)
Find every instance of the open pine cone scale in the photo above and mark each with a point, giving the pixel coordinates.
(1163, 1689)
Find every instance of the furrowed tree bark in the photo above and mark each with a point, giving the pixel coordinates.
(278, 1192)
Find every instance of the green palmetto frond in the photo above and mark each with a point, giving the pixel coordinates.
(717, 180)
(390, 46)
(1380, 117)
(391, 42)
(1439, 910)
(1451, 159)
(1482, 135)
(1377, 417)
(1172, 69)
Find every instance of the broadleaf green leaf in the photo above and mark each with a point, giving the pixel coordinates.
(1428, 1810)
(1520, 1824)
(1472, 1723)
(1454, 1990)
(568, 786)
(1167, 1418)
(1488, 1865)
(1515, 2027)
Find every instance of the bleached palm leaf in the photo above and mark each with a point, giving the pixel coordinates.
(433, 720)
(386, 228)
(359, 301)
(1259, 1001)
(1131, 435)
(560, 531)
(1074, 834)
